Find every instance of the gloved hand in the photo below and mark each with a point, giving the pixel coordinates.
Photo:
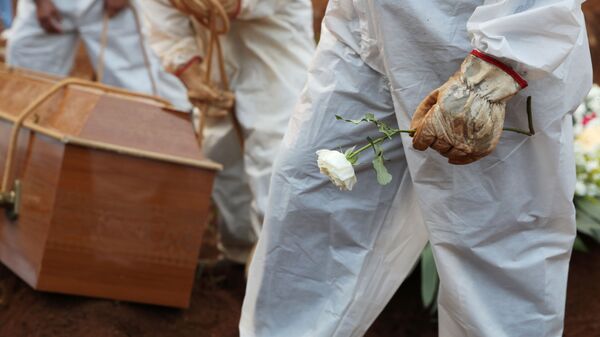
(201, 8)
(48, 16)
(113, 7)
(217, 102)
(464, 118)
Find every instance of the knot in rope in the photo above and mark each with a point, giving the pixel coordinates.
(199, 8)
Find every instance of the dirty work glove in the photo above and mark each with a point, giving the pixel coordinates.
(113, 7)
(464, 118)
(218, 102)
(48, 16)
(201, 8)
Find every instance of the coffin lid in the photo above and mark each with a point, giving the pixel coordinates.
(85, 115)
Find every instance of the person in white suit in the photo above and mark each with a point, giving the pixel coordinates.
(501, 225)
(45, 33)
(266, 55)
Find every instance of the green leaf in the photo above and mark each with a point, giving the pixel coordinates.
(383, 176)
(579, 245)
(591, 206)
(587, 225)
(367, 118)
(429, 277)
(388, 131)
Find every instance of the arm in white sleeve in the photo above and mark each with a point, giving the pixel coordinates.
(171, 34)
(534, 36)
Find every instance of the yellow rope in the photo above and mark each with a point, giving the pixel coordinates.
(217, 23)
(197, 9)
(12, 145)
(104, 43)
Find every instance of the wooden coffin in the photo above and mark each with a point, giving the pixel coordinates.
(113, 191)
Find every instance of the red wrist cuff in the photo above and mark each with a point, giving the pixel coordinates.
(489, 59)
(187, 65)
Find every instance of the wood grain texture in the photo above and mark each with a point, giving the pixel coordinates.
(38, 163)
(102, 223)
(141, 126)
(133, 220)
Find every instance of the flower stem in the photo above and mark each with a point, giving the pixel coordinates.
(379, 140)
(531, 131)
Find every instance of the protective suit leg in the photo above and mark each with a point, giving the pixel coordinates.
(502, 239)
(29, 46)
(237, 218)
(501, 228)
(267, 52)
(327, 261)
(267, 77)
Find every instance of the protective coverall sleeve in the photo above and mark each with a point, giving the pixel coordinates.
(534, 36)
(171, 34)
(254, 9)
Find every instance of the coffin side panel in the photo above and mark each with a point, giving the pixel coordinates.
(66, 111)
(37, 165)
(126, 228)
(141, 126)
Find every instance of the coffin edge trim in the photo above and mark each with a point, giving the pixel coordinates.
(205, 164)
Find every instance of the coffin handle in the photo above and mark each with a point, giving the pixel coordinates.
(11, 201)
(10, 196)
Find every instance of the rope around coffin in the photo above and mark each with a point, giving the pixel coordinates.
(5, 188)
(104, 43)
(217, 23)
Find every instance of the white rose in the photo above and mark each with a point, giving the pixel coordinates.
(589, 139)
(334, 165)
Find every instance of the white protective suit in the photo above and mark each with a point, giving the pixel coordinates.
(501, 228)
(29, 46)
(266, 52)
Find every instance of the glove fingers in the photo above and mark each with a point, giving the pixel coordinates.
(424, 137)
(456, 155)
(462, 160)
(423, 110)
(441, 146)
(203, 94)
(208, 95)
